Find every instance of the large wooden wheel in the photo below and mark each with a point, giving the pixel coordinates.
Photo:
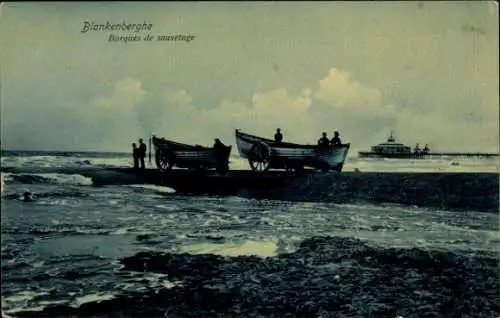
(164, 159)
(259, 157)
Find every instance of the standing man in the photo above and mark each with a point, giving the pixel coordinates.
(142, 153)
(221, 164)
(135, 154)
(278, 137)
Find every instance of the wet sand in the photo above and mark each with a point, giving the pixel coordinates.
(325, 277)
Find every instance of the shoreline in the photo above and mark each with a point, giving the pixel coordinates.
(462, 191)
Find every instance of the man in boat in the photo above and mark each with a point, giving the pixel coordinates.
(135, 154)
(323, 142)
(278, 137)
(336, 139)
(142, 153)
(220, 155)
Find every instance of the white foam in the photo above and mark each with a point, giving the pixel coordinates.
(23, 296)
(58, 178)
(18, 310)
(154, 188)
(98, 297)
(120, 231)
(74, 179)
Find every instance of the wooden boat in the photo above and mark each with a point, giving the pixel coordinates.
(170, 153)
(264, 154)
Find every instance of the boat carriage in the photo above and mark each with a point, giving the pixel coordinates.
(170, 153)
(264, 154)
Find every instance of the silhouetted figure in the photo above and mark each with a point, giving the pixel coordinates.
(278, 137)
(142, 153)
(323, 142)
(28, 196)
(218, 145)
(336, 139)
(221, 164)
(426, 149)
(417, 149)
(135, 154)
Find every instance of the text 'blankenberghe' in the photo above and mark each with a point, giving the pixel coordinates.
(132, 29)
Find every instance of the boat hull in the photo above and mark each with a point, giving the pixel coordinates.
(293, 156)
(169, 154)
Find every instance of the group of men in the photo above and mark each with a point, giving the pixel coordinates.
(139, 153)
(419, 151)
(325, 142)
(322, 142)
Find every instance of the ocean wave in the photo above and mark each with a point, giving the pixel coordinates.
(47, 178)
(47, 195)
(57, 229)
(16, 162)
(154, 188)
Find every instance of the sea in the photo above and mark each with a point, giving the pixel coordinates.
(139, 250)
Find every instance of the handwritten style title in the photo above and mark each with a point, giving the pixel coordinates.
(131, 27)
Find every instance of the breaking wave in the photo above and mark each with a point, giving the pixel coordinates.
(154, 188)
(47, 178)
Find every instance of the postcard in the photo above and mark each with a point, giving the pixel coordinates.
(250, 159)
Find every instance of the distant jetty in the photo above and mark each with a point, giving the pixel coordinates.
(393, 149)
(367, 154)
(462, 154)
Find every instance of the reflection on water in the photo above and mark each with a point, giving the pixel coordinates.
(256, 248)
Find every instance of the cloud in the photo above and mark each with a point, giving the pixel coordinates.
(262, 115)
(339, 89)
(125, 95)
(302, 116)
(180, 99)
(338, 101)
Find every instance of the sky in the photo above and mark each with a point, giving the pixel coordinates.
(428, 71)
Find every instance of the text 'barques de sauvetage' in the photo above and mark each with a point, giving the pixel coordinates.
(129, 32)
